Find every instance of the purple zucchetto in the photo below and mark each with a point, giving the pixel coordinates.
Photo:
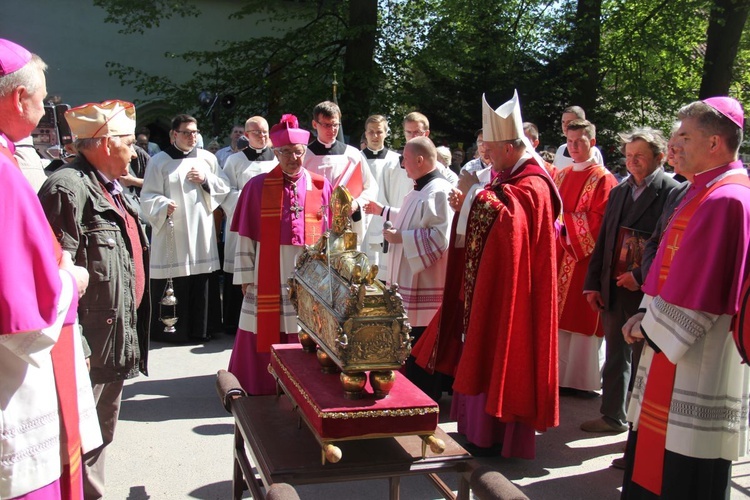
(731, 108)
(287, 132)
(12, 57)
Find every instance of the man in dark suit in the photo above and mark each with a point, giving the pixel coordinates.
(614, 278)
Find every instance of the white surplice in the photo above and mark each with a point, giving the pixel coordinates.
(418, 265)
(393, 186)
(239, 169)
(708, 415)
(30, 415)
(333, 163)
(195, 250)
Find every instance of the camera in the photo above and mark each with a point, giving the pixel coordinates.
(52, 133)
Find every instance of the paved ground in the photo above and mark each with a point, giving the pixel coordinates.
(174, 441)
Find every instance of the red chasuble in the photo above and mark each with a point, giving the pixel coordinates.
(510, 351)
(584, 196)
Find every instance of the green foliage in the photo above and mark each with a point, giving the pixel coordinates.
(440, 56)
(136, 16)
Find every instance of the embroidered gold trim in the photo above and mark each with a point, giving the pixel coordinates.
(405, 412)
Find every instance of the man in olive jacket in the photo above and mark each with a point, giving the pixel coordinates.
(99, 226)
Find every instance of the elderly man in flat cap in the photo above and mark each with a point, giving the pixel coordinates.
(99, 226)
(47, 409)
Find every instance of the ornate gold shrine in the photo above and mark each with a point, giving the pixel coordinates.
(357, 323)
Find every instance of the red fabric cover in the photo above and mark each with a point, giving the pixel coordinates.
(510, 351)
(321, 398)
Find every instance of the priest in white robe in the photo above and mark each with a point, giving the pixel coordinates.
(393, 186)
(185, 184)
(420, 236)
(341, 164)
(240, 167)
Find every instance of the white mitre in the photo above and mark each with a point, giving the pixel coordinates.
(504, 123)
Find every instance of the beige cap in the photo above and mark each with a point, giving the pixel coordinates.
(503, 123)
(109, 118)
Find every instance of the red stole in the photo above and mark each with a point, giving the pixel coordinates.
(648, 470)
(269, 266)
(64, 369)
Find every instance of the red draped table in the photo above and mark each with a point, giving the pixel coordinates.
(377, 438)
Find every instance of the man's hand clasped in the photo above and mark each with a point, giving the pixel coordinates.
(632, 329)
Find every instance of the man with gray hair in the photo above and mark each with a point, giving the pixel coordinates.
(93, 221)
(613, 281)
(240, 167)
(47, 409)
(690, 400)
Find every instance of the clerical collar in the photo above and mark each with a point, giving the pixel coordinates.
(258, 151)
(579, 166)
(177, 154)
(375, 155)
(293, 178)
(506, 174)
(327, 145)
(178, 148)
(425, 179)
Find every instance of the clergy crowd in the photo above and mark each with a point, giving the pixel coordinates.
(523, 278)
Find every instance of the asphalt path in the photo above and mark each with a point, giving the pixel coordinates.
(174, 441)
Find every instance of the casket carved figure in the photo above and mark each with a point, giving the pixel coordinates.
(356, 323)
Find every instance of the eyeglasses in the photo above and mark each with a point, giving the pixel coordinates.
(258, 133)
(188, 133)
(288, 155)
(329, 126)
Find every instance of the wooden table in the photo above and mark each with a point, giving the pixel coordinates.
(285, 451)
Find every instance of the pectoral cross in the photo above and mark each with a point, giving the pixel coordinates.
(296, 209)
(674, 246)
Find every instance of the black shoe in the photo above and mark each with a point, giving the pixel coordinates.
(482, 451)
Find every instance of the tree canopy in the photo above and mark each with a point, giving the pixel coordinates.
(627, 62)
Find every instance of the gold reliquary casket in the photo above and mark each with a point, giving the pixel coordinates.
(351, 320)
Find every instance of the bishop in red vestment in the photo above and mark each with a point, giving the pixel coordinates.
(506, 379)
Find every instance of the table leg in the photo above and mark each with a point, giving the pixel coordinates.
(238, 481)
(464, 492)
(394, 483)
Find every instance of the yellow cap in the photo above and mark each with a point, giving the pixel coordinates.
(109, 118)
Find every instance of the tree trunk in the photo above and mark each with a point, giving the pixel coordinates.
(586, 44)
(725, 27)
(357, 81)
